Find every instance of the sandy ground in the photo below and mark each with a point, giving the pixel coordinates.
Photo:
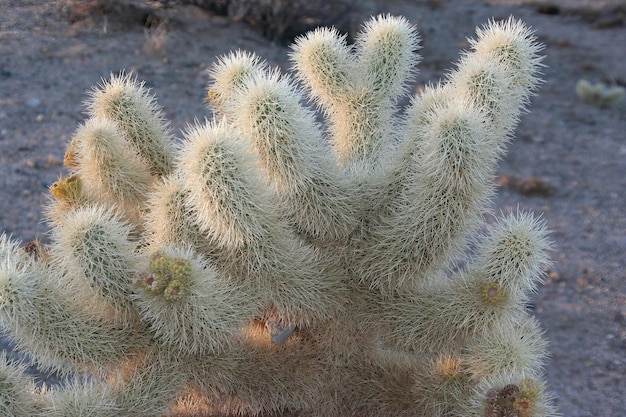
(567, 162)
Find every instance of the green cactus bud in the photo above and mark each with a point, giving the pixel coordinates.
(175, 290)
(128, 104)
(194, 309)
(67, 190)
(167, 275)
(505, 395)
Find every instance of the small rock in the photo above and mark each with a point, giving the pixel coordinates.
(33, 102)
(52, 161)
(553, 276)
(279, 332)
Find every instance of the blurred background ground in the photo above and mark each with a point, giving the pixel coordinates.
(567, 162)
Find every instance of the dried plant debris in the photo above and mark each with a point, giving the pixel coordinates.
(112, 14)
(529, 186)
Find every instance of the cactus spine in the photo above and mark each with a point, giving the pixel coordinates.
(268, 263)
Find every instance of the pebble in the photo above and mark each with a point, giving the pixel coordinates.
(53, 161)
(33, 102)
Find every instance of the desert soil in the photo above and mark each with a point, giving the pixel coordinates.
(567, 161)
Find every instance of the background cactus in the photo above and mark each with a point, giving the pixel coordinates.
(599, 94)
(256, 267)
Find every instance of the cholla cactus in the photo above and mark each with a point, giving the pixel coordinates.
(599, 94)
(268, 264)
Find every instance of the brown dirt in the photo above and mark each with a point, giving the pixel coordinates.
(567, 162)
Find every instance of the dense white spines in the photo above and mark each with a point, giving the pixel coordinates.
(127, 103)
(169, 220)
(95, 250)
(500, 72)
(386, 51)
(79, 397)
(324, 61)
(229, 75)
(507, 349)
(512, 44)
(236, 212)
(51, 322)
(453, 139)
(490, 294)
(109, 170)
(146, 387)
(229, 200)
(514, 254)
(356, 87)
(438, 203)
(18, 395)
(292, 154)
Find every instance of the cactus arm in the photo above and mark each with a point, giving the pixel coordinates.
(18, 395)
(44, 319)
(98, 257)
(294, 158)
(236, 212)
(109, 171)
(500, 72)
(230, 74)
(129, 104)
(439, 204)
